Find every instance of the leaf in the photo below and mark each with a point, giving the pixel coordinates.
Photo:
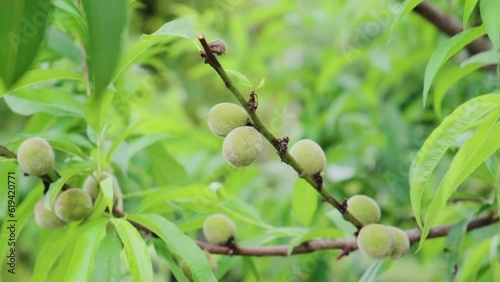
(37, 76)
(106, 21)
(445, 51)
(440, 140)
(490, 57)
(453, 240)
(447, 80)
(50, 252)
(373, 272)
(139, 261)
(468, 9)
(107, 259)
(241, 78)
(51, 101)
(180, 28)
(178, 244)
(474, 261)
(489, 13)
(107, 190)
(55, 187)
(304, 201)
(406, 8)
(96, 109)
(261, 83)
(484, 142)
(22, 29)
(68, 17)
(81, 265)
(162, 251)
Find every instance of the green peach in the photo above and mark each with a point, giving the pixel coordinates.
(46, 218)
(91, 184)
(219, 229)
(225, 117)
(36, 157)
(309, 156)
(376, 241)
(73, 205)
(242, 146)
(401, 242)
(364, 209)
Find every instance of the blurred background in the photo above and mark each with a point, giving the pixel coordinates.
(335, 71)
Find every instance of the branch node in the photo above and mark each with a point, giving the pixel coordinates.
(253, 102)
(282, 144)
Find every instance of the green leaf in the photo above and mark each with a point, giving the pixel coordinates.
(468, 9)
(107, 190)
(490, 57)
(489, 13)
(373, 272)
(51, 101)
(445, 51)
(164, 166)
(50, 252)
(440, 140)
(447, 80)
(453, 240)
(139, 261)
(241, 78)
(178, 243)
(474, 261)
(37, 76)
(106, 21)
(107, 263)
(180, 28)
(96, 109)
(484, 142)
(82, 262)
(22, 27)
(55, 187)
(406, 8)
(261, 83)
(304, 201)
(162, 251)
(68, 17)
(64, 45)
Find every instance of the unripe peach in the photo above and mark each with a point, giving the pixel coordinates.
(91, 184)
(364, 209)
(376, 241)
(242, 146)
(401, 242)
(36, 157)
(73, 205)
(225, 117)
(46, 218)
(309, 156)
(219, 229)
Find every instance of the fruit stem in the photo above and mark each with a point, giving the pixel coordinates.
(210, 59)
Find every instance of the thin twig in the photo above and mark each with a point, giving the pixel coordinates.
(286, 157)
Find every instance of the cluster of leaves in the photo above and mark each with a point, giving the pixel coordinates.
(107, 99)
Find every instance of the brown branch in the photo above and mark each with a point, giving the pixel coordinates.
(341, 244)
(346, 245)
(450, 26)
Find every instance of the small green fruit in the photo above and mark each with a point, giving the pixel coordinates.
(73, 205)
(91, 184)
(36, 157)
(46, 218)
(376, 241)
(364, 209)
(189, 274)
(225, 117)
(219, 229)
(309, 156)
(242, 146)
(401, 242)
